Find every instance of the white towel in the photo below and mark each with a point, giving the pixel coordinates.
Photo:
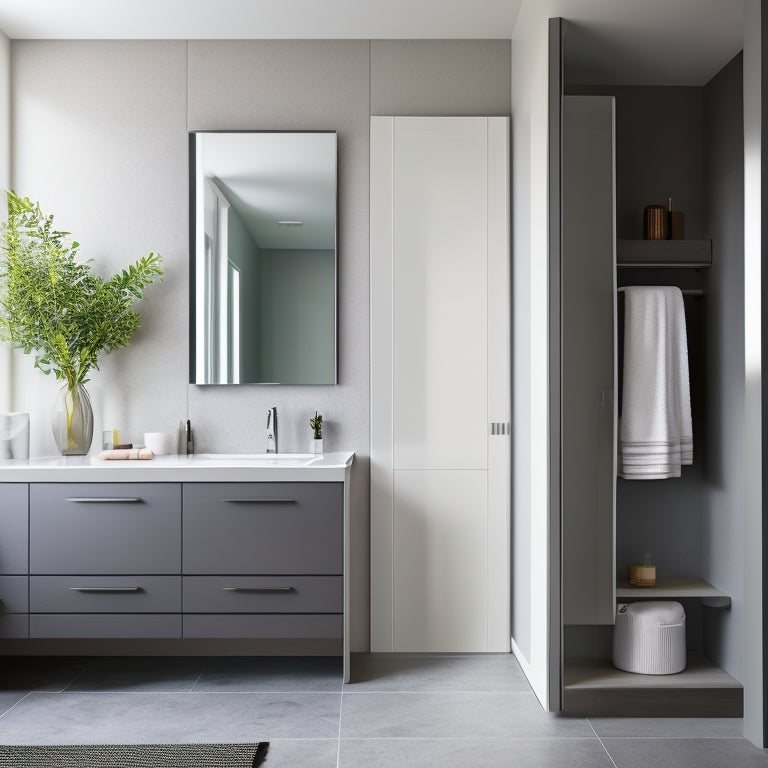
(655, 431)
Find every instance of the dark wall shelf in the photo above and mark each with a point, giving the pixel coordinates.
(664, 253)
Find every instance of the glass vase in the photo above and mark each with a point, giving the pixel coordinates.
(73, 421)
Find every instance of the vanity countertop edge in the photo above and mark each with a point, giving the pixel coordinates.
(329, 467)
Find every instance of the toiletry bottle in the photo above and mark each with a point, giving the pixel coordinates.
(675, 223)
(190, 442)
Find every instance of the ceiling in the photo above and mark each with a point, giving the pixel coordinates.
(655, 42)
(651, 42)
(258, 19)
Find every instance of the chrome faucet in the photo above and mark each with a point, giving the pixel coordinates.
(272, 430)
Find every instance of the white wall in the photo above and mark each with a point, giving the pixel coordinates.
(530, 406)
(5, 180)
(100, 139)
(754, 26)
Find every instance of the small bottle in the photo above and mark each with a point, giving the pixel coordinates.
(675, 223)
(190, 441)
(110, 438)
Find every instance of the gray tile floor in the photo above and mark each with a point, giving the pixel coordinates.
(404, 711)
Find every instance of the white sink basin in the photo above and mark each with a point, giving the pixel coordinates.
(259, 459)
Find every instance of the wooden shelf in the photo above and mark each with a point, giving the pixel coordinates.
(594, 687)
(671, 588)
(664, 253)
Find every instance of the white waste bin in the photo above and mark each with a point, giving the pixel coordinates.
(649, 637)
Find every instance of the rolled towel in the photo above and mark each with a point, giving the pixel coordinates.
(123, 454)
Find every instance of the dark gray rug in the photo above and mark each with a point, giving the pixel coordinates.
(135, 756)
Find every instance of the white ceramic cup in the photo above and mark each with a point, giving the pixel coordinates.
(160, 442)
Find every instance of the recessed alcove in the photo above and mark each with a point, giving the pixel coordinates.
(684, 142)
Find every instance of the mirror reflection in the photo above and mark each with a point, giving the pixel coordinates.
(263, 231)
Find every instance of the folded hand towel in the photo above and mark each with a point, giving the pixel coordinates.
(655, 432)
(122, 454)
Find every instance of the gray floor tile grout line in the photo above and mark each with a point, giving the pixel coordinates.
(197, 680)
(338, 741)
(76, 677)
(471, 737)
(697, 737)
(451, 691)
(109, 692)
(15, 704)
(600, 741)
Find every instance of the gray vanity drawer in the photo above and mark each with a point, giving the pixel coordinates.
(105, 594)
(14, 524)
(110, 528)
(263, 625)
(275, 528)
(88, 625)
(263, 594)
(14, 594)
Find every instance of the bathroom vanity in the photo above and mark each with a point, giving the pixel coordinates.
(227, 547)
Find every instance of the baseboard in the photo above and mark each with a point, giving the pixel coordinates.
(521, 660)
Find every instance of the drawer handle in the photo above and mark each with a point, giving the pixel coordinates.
(258, 589)
(261, 501)
(104, 499)
(106, 589)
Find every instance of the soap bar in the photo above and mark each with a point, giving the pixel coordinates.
(124, 454)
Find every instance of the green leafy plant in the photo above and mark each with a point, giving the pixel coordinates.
(317, 425)
(52, 305)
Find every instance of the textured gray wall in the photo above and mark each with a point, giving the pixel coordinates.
(99, 137)
(440, 77)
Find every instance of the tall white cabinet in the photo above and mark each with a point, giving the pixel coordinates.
(440, 384)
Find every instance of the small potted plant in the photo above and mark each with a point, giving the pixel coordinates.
(52, 306)
(317, 432)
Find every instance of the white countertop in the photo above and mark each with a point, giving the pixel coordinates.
(327, 467)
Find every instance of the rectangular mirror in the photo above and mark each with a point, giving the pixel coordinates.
(263, 258)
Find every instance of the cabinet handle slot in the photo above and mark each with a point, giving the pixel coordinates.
(261, 501)
(258, 589)
(104, 499)
(106, 589)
